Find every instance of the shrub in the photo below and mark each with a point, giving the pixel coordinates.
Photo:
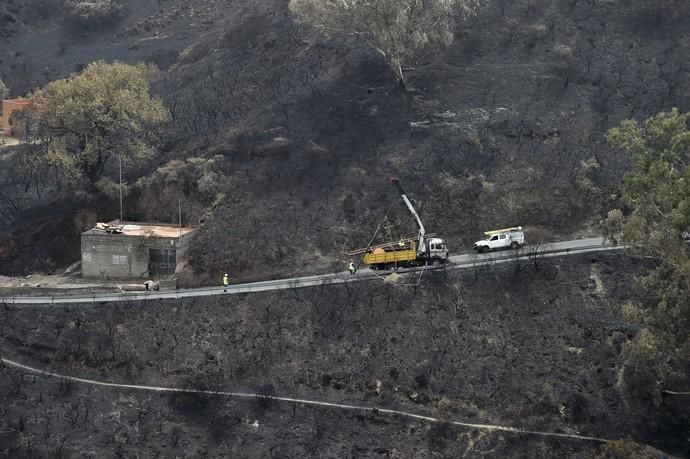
(632, 313)
(585, 176)
(563, 62)
(646, 345)
(96, 12)
(613, 225)
(624, 449)
(563, 55)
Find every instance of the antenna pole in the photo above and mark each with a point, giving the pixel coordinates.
(120, 161)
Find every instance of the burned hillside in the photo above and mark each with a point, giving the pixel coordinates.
(505, 126)
(279, 142)
(540, 350)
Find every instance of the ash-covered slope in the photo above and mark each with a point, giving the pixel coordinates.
(504, 127)
(541, 350)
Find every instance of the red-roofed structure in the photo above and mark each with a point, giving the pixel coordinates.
(11, 107)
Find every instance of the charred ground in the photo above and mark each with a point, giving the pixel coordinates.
(539, 349)
(504, 127)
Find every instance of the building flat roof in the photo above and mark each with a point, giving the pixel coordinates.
(141, 229)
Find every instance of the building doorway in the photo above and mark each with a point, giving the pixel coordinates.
(162, 262)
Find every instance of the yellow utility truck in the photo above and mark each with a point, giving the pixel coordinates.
(420, 251)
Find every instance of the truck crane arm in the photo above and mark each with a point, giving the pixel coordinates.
(422, 232)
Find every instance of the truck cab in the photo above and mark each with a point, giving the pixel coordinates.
(437, 250)
(513, 238)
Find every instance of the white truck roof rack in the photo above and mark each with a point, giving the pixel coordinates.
(504, 230)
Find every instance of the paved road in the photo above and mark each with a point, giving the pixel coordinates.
(555, 249)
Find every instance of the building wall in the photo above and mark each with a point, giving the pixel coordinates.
(116, 255)
(9, 107)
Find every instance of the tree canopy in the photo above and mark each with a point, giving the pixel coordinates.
(104, 112)
(656, 192)
(396, 28)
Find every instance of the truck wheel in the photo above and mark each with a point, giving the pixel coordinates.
(484, 249)
(514, 245)
(436, 263)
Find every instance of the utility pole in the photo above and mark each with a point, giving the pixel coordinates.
(179, 210)
(120, 161)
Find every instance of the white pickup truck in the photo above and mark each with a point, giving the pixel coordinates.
(505, 238)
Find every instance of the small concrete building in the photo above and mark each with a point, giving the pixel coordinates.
(133, 250)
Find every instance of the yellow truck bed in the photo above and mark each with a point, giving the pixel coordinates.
(392, 254)
(397, 256)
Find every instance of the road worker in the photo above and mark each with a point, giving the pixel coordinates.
(351, 267)
(226, 281)
(401, 244)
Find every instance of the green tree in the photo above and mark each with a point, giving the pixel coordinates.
(656, 192)
(396, 28)
(624, 449)
(104, 112)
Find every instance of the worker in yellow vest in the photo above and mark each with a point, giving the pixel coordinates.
(351, 267)
(226, 281)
